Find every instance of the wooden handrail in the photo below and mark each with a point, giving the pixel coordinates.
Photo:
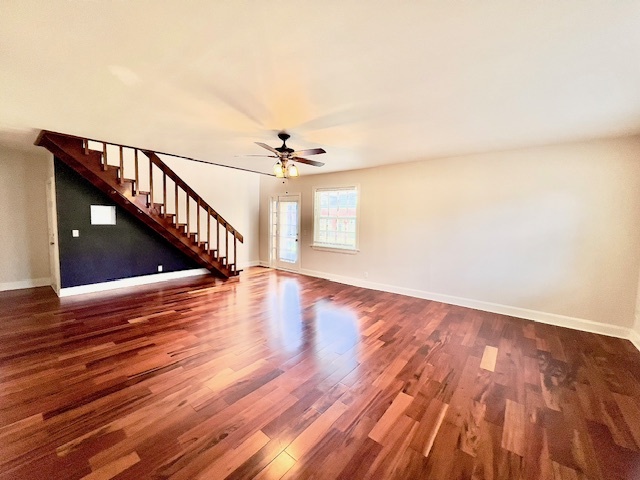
(191, 193)
(43, 132)
(199, 242)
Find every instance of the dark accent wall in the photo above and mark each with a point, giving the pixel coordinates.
(105, 252)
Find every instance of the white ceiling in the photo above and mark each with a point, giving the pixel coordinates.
(373, 82)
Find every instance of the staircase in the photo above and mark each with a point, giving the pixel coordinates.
(168, 205)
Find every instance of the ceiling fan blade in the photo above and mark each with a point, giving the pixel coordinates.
(271, 149)
(307, 161)
(311, 151)
(251, 155)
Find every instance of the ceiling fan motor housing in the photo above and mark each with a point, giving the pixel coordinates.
(284, 137)
(285, 153)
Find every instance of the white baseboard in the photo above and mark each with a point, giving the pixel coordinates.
(131, 282)
(537, 316)
(143, 280)
(31, 283)
(250, 263)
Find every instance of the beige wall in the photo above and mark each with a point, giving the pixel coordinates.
(234, 194)
(552, 229)
(24, 255)
(24, 250)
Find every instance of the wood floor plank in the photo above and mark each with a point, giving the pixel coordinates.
(513, 433)
(489, 358)
(391, 415)
(114, 468)
(233, 458)
(429, 427)
(278, 375)
(310, 436)
(277, 468)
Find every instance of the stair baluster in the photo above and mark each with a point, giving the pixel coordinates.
(150, 200)
(235, 251)
(78, 153)
(164, 192)
(188, 217)
(217, 236)
(176, 201)
(121, 171)
(198, 219)
(209, 231)
(136, 187)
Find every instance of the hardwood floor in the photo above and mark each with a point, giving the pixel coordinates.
(276, 375)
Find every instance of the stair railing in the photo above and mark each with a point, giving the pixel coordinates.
(184, 196)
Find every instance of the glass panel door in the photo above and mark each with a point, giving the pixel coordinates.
(285, 231)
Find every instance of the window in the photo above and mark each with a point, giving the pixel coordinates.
(103, 215)
(335, 218)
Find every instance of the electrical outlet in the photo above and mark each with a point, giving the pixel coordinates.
(159, 268)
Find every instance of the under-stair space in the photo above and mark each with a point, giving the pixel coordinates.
(140, 182)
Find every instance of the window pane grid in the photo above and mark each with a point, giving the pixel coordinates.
(335, 219)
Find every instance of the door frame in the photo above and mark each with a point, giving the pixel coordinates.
(274, 236)
(52, 224)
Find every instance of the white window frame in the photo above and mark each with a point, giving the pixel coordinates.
(334, 248)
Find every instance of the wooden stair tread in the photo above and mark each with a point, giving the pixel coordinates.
(88, 163)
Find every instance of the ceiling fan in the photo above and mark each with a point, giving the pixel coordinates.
(284, 166)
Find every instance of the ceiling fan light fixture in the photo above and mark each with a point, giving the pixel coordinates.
(284, 166)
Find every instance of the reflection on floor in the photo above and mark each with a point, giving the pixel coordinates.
(277, 375)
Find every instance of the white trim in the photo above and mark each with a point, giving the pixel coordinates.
(537, 316)
(542, 317)
(323, 248)
(131, 282)
(142, 280)
(249, 264)
(125, 282)
(319, 246)
(30, 283)
(276, 263)
(52, 232)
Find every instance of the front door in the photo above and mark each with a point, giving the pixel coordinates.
(285, 232)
